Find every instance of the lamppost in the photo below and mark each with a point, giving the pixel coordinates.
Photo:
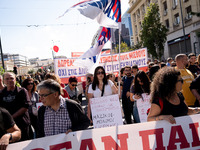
(183, 26)
(1, 54)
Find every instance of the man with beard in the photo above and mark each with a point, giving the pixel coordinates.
(126, 103)
(181, 63)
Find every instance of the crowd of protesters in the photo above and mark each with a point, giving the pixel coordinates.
(62, 110)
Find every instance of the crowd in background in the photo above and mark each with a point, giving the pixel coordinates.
(173, 86)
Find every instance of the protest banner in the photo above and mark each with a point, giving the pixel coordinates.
(143, 104)
(106, 111)
(155, 135)
(64, 67)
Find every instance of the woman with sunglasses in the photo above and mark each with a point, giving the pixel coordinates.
(167, 101)
(100, 86)
(140, 85)
(30, 86)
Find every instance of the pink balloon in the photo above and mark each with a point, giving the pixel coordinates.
(56, 48)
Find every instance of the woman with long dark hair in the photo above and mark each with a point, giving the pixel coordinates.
(30, 86)
(167, 101)
(100, 86)
(140, 85)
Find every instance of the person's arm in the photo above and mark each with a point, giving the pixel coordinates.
(192, 111)
(20, 112)
(78, 117)
(154, 115)
(13, 134)
(90, 95)
(196, 94)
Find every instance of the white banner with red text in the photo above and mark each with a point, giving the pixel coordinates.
(159, 135)
(64, 67)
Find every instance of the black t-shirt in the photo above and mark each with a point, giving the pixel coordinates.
(171, 109)
(193, 68)
(15, 100)
(6, 121)
(196, 84)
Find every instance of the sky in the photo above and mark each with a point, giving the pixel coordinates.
(31, 27)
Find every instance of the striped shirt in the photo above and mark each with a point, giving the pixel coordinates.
(56, 122)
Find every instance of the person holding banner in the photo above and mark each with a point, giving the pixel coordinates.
(58, 115)
(167, 101)
(140, 85)
(100, 87)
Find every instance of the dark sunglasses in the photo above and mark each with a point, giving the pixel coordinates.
(74, 84)
(100, 72)
(181, 80)
(30, 83)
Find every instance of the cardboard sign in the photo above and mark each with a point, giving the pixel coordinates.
(38, 105)
(143, 104)
(106, 111)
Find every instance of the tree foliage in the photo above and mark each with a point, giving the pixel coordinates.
(153, 34)
(1, 70)
(123, 47)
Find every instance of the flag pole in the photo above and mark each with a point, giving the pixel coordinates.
(119, 75)
(111, 41)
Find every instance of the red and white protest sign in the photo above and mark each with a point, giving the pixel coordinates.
(106, 111)
(159, 135)
(64, 67)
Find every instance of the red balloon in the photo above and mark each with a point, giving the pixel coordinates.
(56, 48)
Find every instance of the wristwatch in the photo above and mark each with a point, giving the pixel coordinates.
(10, 136)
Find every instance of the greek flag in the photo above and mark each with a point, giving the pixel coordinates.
(92, 56)
(106, 12)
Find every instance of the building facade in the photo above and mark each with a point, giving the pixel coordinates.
(173, 17)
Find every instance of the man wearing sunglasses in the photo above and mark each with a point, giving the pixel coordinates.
(58, 115)
(72, 90)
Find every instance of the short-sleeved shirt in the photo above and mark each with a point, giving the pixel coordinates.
(187, 77)
(15, 100)
(171, 109)
(7, 120)
(97, 92)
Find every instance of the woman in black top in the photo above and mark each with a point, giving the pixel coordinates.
(167, 100)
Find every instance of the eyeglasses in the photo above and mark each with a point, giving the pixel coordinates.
(181, 80)
(100, 72)
(74, 84)
(45, 95)
(30, 83)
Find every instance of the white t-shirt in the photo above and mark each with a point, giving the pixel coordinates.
(97, 92)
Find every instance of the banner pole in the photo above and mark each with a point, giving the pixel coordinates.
(111, 41)
(119, 75)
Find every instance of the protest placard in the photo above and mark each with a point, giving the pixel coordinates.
(106, 111)
(143, 104)
(64, 67)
